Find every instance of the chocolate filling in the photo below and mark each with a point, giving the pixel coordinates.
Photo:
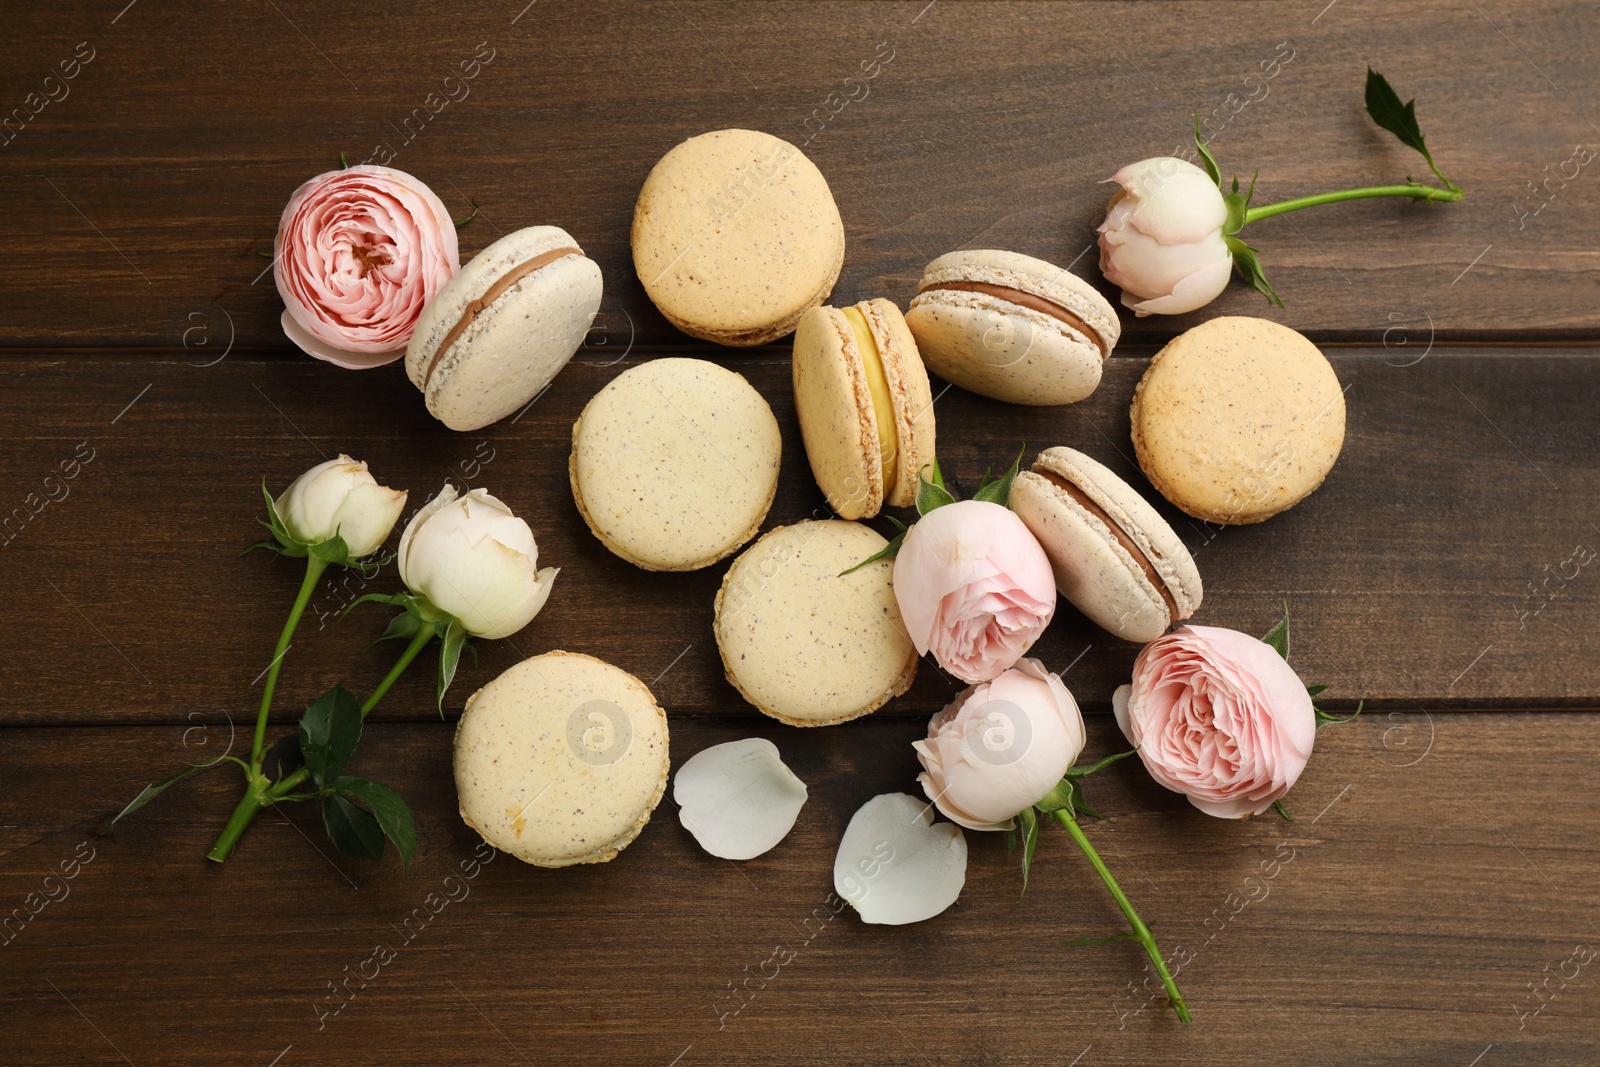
(490, 295)
(1116, 531)
(1028, 300)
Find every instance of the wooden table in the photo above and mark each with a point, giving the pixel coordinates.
(1434, 895)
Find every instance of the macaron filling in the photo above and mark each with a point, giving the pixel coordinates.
(1031, 301)
(1082, 500)
(878, 383)
(474, 307)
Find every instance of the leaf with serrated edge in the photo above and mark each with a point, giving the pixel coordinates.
(1384, 105)
(353, 831)
(329, 732)
(393, 816)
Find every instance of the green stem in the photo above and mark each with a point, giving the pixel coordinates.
(1415, 192)
(244, 813)
(1141, 932)
(314, 569)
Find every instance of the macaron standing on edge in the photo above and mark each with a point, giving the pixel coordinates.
(805, 642)
(503, 327)
(561, 760)
(1115, 558)
(864, 404)
(735, 234)
(1238, 419)
(674, 463)
(1012, 327)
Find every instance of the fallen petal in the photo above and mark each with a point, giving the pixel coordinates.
(738, 799)
(895, 865)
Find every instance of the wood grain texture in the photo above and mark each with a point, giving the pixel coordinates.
(139, 203)
(1436, 564)
(1411, 903)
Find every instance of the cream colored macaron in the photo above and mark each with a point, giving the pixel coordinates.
(1012, 327)
(561, 760)
(675, 463)
(1114, 557)
(1238, 419)
(804, 642)
(502, 328)
(865, 408)
(735, 235)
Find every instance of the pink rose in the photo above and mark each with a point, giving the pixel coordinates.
(1219, 717)
(974, 587)
(1000, 746)
(360, 252)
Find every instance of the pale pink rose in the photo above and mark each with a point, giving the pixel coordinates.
(1161, 241)
(974, 587)
(1219, 717)
(360, 252)
(1000, 747)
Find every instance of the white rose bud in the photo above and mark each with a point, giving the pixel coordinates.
(1161, 241)
(341, 497)
(475, 560)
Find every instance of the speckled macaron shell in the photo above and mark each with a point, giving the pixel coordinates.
(996, 348)
(1094, 571)
(1238, 419)
(735, 235)
(561, 760)
(838, 421)
(805, 643)
(517, 343)
(675, 463)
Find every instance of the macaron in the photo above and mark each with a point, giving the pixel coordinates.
(1238, 419)
(805, 642)
(1114, 557)
(865, 408)
(561, 760)
(501, 329)
(735, 235)
(1011, 327)
(675, 463)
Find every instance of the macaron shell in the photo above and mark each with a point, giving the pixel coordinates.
(910, 395)
(674, 463)
(735, 234)
(803, 642)
(1031, 275)
(834, 404)
(1238, 419)
(1092, 569)
(537, 767)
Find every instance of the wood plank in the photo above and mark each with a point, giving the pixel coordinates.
(1442, 562)
(1413, 903)
(139, 203)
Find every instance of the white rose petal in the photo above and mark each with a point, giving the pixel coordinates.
(895, 865)
(738, 799)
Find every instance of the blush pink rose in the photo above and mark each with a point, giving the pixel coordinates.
(360, 252)
(974, 588)
(1000, 746)
(1219, 717)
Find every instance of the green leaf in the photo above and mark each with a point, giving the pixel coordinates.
(403, 625)
(1278, 636)
(398, 600)
(333, 550)
(393, 816)
(1384, 105)
(1079, 804)
(1084, 772)
(1058, 799)
(1324, 719)
(280, 532)
(999, 490)
(155, 789)
(329, 732)
(1277, 806)
(449, 655)
(1247, 261)
(1315, 690)
(343, 165)
(462, 222)
(1126, 935)
(888, 551)
(1205, 154)
(354, 831)
(1030, 840)
(931, 495)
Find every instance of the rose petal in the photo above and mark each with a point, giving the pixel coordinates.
(738, 799)
(895, 865)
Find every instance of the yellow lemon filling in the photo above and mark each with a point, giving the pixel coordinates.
(878, 383)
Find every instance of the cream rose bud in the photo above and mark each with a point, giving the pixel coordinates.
(1000, 747)
(341, 497)
(974, 588)
(1161, 241)
(475, 560)
(1220, 717)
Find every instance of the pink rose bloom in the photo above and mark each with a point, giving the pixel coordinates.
(1161, 241)
(1000, 746)
(1219, 717)
(360, 252)
(974, 588)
